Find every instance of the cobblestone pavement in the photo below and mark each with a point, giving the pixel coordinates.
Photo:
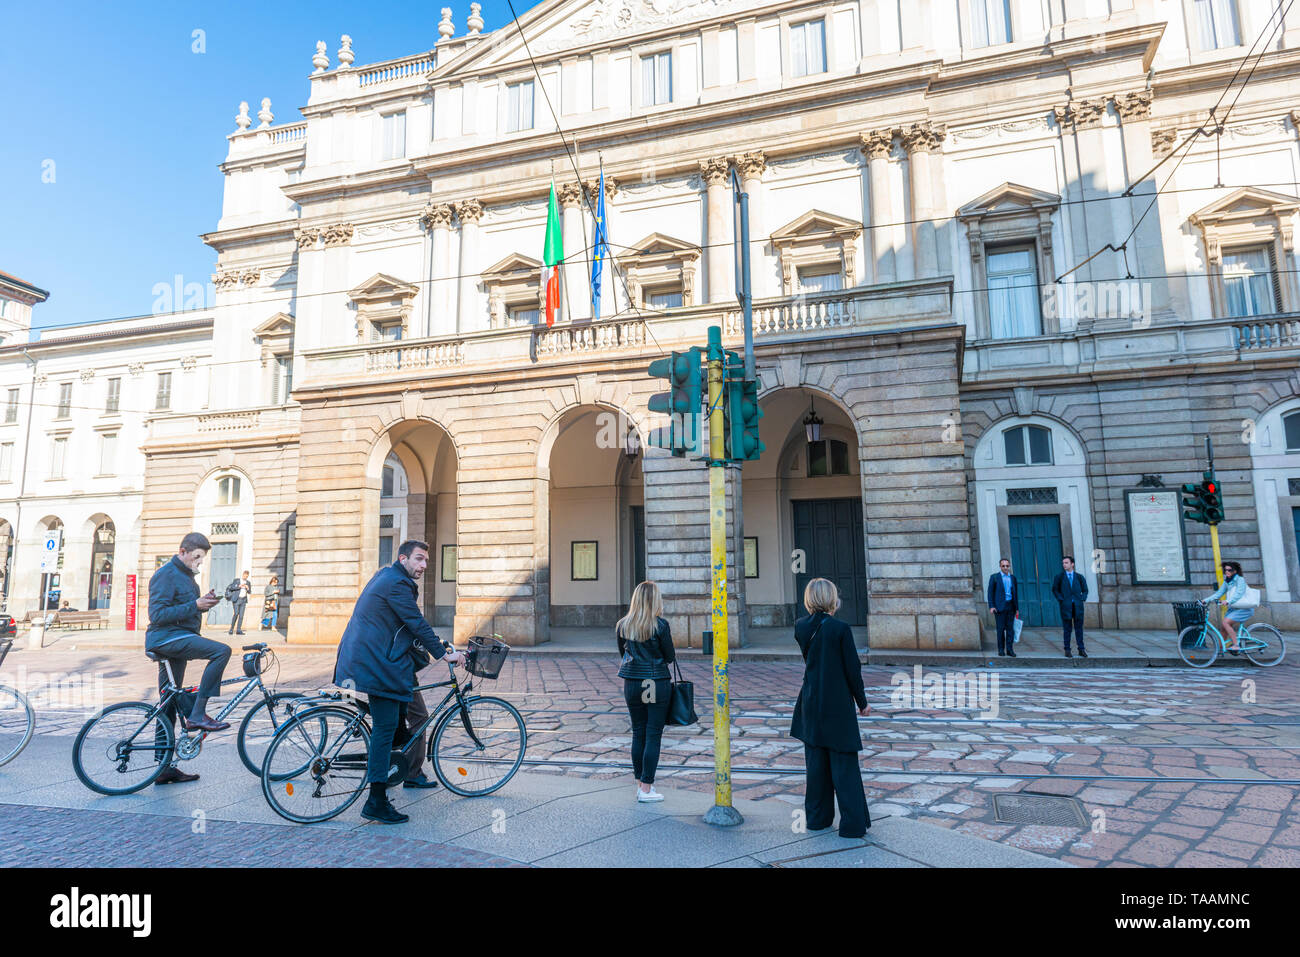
(1212, 757)
(66, 837)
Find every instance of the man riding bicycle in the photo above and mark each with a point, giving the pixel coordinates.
(1232, 591)
(175, 617)
(378, 653)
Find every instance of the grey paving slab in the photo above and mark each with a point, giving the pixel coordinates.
(940, 847)
(867, 855)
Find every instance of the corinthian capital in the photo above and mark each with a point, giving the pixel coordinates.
(751, 165)
(592, 186)
(1133, 106)
(876, 144)
(714, 171)
(436, 215)
(339, 234)
(922, 137)
(570, 194)
(469, 211)
(1081, 114)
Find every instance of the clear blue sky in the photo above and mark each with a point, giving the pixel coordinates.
(135, 123)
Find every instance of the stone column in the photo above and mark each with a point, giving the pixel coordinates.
(875, 147)
(468, 211)
(919, 140)
(1147, 254)
(1080, 123)
(751, 167)
(719, 258)
(437, 220)
(576, 302)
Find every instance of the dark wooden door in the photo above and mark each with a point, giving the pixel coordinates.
(225, 569)
(638, 545)
(1035, 560)
(829, 532)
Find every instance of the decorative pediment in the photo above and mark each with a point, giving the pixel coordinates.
(513, 266)
(816, 224)
(1245, 204)
(659, 261)
(275, 335)
(380, 287)
(1009, 199)
(382, 301)
(281, 324)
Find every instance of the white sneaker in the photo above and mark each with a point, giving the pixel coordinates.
(646, 797)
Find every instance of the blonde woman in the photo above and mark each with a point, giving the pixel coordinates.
(646, 646)
(824, 718)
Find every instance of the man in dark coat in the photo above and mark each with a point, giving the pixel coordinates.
(824, 717)
(1004, 602)
(1070, 589)
(377, 657)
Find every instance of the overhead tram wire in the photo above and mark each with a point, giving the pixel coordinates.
(1219, 126)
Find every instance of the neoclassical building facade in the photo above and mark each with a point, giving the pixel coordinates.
(988, 320)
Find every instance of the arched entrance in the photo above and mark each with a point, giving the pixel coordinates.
(411, 494)
(102, 545)
(596, 520)
(803, 509)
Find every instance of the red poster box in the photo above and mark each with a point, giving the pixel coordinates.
(130, 603)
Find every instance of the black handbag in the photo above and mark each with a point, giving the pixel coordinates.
(681, 701)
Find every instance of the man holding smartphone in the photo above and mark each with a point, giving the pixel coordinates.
(175, 618)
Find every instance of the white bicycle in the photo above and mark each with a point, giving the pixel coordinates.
(17, 719)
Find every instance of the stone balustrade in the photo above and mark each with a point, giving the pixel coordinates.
(407, 68)
(1267, 332)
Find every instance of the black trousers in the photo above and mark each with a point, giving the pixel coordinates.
(1072, 620)
(180, 651)
(647, 704)
(835, 775)
(1006, 624)
(416, 713)
(385, 716)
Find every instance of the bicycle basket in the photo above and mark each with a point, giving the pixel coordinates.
(252, 664)
(485, 656)
(1187, 614)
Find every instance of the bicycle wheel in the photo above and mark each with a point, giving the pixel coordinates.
(1198, 646)
(474, 768)
(259, 726)
(1265, 646)
(123, 748)
(17, 723)
(315, 766)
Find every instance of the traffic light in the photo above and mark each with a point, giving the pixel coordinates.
(681, 403)
(682, 370)
(1211, 499)
(1193, 506)
(742, 415)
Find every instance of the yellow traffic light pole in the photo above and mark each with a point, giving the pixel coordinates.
(722, 813)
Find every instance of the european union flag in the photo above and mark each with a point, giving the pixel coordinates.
(600, 250)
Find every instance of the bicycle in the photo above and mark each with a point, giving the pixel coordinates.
(17, 717)
(136, 739)
(1200, 642)
(477, 744)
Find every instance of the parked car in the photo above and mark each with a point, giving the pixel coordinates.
(8, 627)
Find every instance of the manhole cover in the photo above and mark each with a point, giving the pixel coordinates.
(1276, 718)
(1051, 809)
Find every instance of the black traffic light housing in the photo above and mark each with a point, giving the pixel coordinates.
(1211, 499)
(681, 403)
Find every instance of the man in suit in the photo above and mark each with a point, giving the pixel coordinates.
(1070, 589)
(1004, 598)
(238, 592)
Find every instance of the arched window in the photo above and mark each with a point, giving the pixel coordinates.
(1028, 445)
(1291, 424)
(228, 490)
(828, 457)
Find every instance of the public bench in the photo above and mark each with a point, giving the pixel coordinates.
(80, 619)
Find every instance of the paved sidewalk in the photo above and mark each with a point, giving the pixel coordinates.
(539, 819)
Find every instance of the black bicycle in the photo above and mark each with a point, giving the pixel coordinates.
(315, 767)
(126, 746)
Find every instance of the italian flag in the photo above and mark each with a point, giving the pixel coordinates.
(552, 256)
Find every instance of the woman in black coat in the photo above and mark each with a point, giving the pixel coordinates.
(824, 718)
(646, 646)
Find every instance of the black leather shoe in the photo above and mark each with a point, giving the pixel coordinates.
(421, 782)
(1082, 653)
(1067, 653)
(205, 724)
(1011, 654)
(174, 775)
(383, 812)
(1002, 654)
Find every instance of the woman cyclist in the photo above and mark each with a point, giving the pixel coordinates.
(1232, 591)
